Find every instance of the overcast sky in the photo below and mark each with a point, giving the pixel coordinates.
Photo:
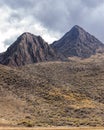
(49, 18)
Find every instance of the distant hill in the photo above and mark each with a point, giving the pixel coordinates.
(78, 42)
(28, 49)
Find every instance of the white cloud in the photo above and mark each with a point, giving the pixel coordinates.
(49, 19)
(3, 24)
(10, 28)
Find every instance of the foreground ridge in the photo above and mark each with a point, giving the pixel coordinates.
(54, 93)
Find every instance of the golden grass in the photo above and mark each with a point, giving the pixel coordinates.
(53, 94)
(52, 128)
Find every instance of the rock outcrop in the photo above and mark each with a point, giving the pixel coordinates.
(28, 49)
(78, 42)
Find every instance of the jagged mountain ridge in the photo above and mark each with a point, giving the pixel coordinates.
(78, 42)
(28, 49)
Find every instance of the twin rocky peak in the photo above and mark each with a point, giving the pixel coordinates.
(28, 48)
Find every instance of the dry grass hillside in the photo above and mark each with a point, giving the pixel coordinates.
(53, 93)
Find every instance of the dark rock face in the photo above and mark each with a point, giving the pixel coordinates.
(28, 49)
(78, 42)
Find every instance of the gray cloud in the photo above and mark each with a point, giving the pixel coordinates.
(57, 15)
(92, 3)
(10, 40)
(17, 4)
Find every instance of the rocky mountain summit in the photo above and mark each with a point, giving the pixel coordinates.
(78, 42)
(28, 49)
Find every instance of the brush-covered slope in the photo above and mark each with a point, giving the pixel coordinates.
(78, 42)
(54, 93)
(28, 49)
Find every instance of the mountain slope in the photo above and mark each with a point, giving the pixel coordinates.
(28, 49)
(78, 42)
(54, 93)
